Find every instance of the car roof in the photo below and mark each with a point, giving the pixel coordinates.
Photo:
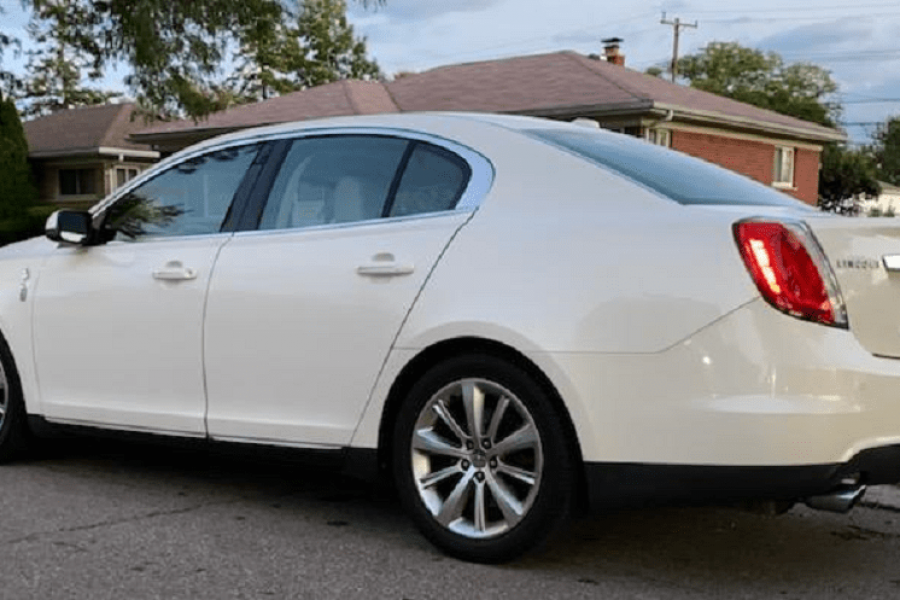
(427, 122)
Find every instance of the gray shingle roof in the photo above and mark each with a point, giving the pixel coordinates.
(348, 97)
(83, 130)
(561, 84)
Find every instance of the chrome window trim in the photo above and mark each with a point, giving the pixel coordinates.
(158, 169)
(480, 182)
(379, 221)
(156, 239)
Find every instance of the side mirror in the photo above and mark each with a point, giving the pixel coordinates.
(70, 227)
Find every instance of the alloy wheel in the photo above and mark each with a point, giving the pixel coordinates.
(477, 458)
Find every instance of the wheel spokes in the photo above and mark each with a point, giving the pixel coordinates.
(506, 501)
(522, 439)
(480, 508)
(526, 477)
(476, 458)
(453, 506)
(435, 478)
(473, 402)
(440, 409)
(426, 440)
(496, 418)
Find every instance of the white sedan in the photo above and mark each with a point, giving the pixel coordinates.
(511, 317)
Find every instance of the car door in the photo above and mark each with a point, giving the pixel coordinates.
(303, 310)
(118, 326)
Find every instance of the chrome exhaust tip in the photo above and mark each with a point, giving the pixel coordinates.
(839, 500)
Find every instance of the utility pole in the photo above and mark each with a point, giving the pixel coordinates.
(677, 26)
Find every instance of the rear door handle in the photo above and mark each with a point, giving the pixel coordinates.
(891, 262)
(384, 264)
(385, 270)
(174, 271)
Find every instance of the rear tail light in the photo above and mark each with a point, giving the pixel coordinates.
(791, 271)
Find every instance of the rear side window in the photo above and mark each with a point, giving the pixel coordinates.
(432, 181)
(682, 178)
(354, 178)
(340, 179)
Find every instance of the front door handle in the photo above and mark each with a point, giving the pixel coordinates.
(384, 265)
(174, 271)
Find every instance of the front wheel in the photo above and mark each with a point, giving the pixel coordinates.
(481, 459)
(14, 434)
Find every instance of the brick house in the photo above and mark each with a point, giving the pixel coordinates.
(82, 154)
(774, 149)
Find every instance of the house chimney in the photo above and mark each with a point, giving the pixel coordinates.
(611, 51)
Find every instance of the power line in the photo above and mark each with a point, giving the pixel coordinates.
(742, 20)
(677, 26)
(798, 9)
(873, 101)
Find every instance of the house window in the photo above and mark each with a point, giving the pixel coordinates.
(783, 172)
(660, 137)
(124, 175)
(77, 182)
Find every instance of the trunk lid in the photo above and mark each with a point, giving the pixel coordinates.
(865, 256)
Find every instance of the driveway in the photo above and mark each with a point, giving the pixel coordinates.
(98, 519)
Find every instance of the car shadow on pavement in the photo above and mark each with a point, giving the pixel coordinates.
(688, 549)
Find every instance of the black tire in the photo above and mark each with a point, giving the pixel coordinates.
(520, 471)
(14, 433)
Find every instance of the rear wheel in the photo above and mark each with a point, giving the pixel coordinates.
(481, 459)
(14, 432)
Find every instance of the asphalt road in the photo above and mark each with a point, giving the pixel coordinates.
(110, 520)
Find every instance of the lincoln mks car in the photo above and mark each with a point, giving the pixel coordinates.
(509, 319)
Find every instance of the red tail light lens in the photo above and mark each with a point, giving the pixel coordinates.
(790, 270)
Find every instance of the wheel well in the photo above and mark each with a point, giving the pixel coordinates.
(444, 350)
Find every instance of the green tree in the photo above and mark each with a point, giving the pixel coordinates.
(269, 49)
(887, 150)
(762, 79)
(329, 51)
(17, 191)
(55, 68)
(845, 175)
(9, 82)
(175, 48)
(277, 57)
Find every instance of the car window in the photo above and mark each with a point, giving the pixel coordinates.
(433, 180)
(684, 179)
(190, 198)
(337, 179)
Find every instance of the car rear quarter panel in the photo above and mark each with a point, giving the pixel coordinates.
(566, 258)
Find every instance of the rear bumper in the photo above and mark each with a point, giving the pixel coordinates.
(756, 388)
(632, 484)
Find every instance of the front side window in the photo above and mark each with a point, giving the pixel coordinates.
(190, 198)
(783, 171)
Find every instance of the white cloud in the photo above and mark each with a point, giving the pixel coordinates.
(416, 10)
(856, 41)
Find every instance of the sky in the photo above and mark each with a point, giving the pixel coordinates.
(857, 42)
